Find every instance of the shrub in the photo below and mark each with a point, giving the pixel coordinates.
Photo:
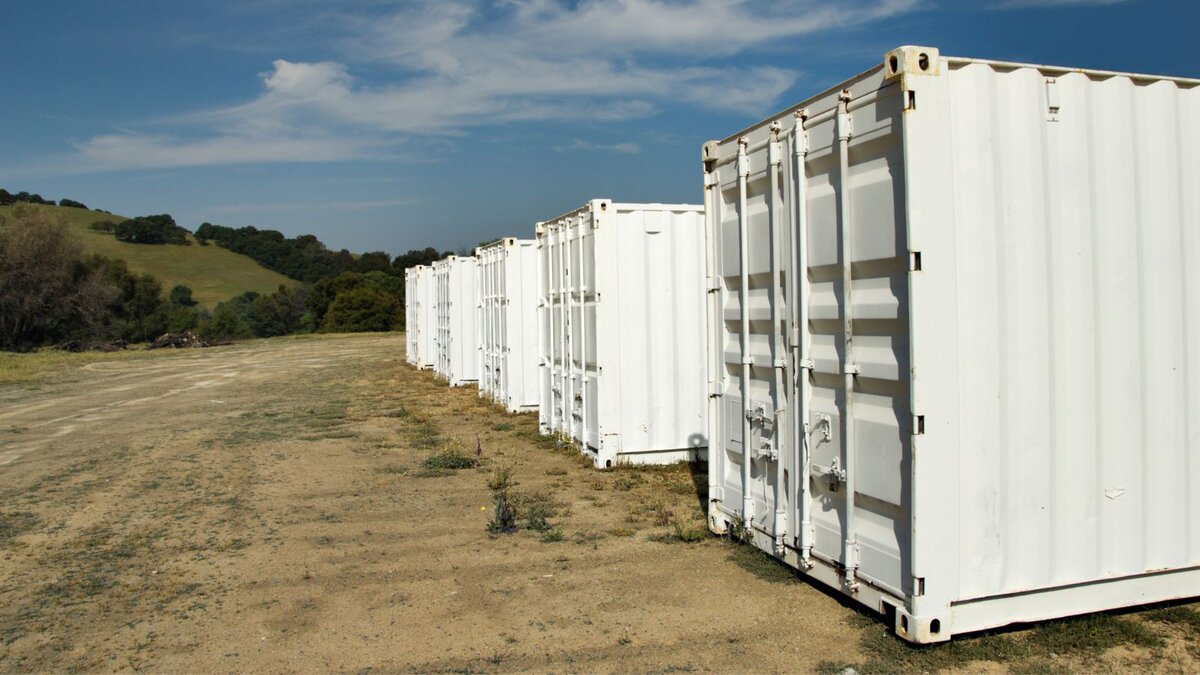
(361, 310)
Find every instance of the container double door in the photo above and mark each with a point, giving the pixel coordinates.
(493, 358)
(815, 312)
(569, 325)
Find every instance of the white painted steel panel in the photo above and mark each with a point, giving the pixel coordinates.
(622, 331)
(508, 338)
(420, 324)
(456, 340)
(987, 368)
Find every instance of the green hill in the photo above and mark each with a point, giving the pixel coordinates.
(213, 273)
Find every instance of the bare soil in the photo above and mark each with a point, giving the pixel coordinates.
(272, 506)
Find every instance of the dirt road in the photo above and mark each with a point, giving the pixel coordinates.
(272, 506)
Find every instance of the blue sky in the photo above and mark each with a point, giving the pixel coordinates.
(380, 125)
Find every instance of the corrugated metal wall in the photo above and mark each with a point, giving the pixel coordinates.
(1079, 270)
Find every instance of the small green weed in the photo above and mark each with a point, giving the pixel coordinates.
(501, 478)
(502, 426)
(504, 518)
(451, 459)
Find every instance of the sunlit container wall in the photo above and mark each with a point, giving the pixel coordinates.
(622, 331)
(456, 342)
(955, 340)
(420, 320)
(508, 339)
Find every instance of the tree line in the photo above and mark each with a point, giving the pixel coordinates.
(51, 292)
(305, 258)
(8, 199)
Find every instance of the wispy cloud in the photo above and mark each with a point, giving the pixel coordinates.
(582, 145)
(340, 206)
(1035, 4)
(138, 151)
(445, 67)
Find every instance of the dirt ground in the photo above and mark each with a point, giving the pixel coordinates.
(272, 506)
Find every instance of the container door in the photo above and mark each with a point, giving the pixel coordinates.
(824, 408)
(581, 251)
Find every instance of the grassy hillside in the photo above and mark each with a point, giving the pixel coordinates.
(213, 273)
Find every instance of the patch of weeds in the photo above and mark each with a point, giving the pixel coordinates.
(501, 478)
(684, 534)
(451, 458)
(1035, 651)
(1183, 617)
(586, 538)
(887, 653)
(391, 469)
(830, 668)
(1094, 633)
(14, 524)
(536, 509)
(537, 518)
(552, 535)
(681, 487)
(504, 516)
(655, 510)
(333, 435)
(557, 471)
(398, 413)
(424, 436)
(502, 426)
(760, 564)
(330, 518)
(738, 531)
(627, 483)
(622, 532)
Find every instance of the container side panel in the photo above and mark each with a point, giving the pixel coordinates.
(1076, 251)
(659, 344)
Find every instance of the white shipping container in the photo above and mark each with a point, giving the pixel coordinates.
(420, 320)
(508, 298)
(968, 393)
(622, 331)
(456, 341)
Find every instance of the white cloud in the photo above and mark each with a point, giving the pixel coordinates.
(582, 145)
(341, 205)
(136, 151)
(454, 65)
(1038, 4)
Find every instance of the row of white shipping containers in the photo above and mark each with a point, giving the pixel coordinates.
(508, 297)
(456, 341)
(622, 331)
(420, 319)
(955, 340)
